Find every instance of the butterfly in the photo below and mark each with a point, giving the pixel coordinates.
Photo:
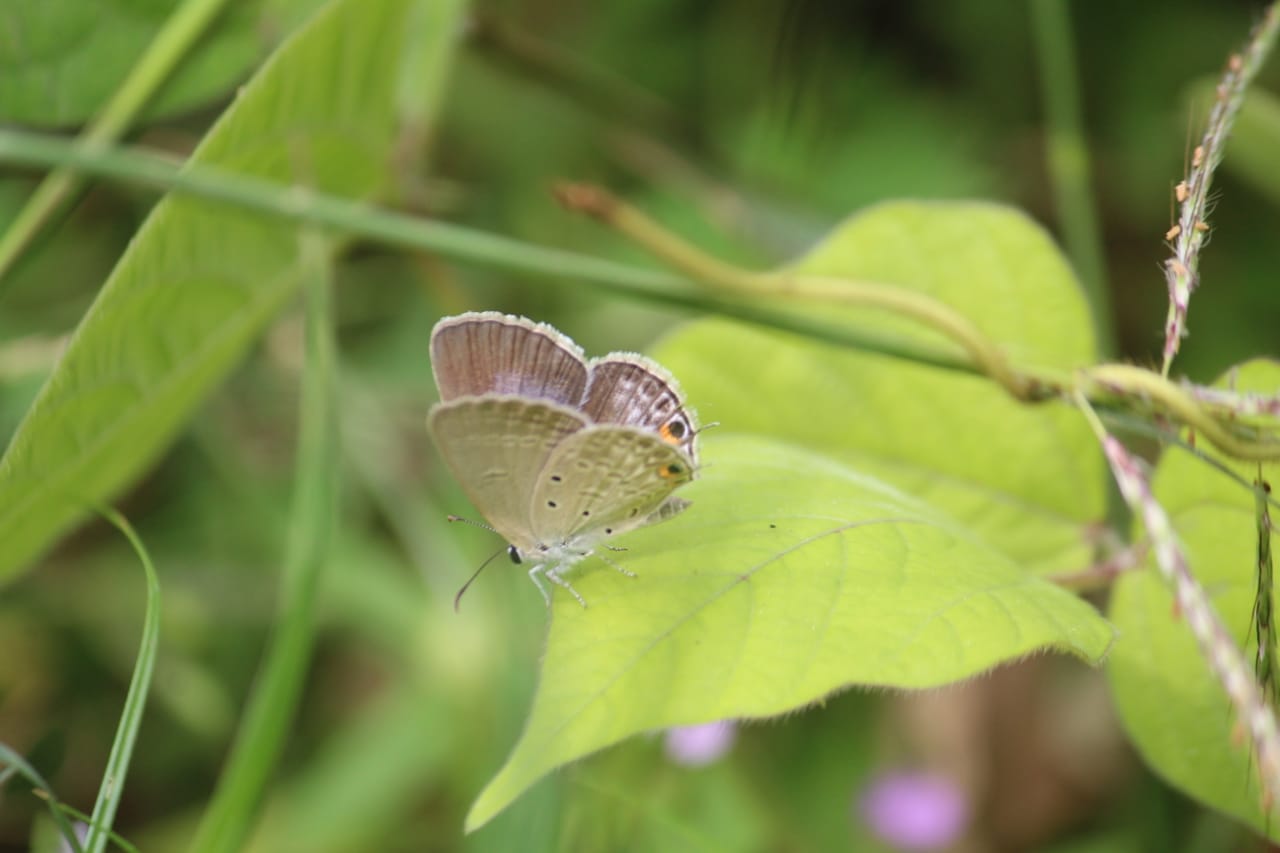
(558, 453)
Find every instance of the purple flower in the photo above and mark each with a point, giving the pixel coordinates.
(697, 746)
(915, 811)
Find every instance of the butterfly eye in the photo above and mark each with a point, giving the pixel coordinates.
(674, 430)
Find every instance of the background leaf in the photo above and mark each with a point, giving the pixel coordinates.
(61, 59)
(1173, 708)
(1029, 479)
(201, 280)
(791, 577)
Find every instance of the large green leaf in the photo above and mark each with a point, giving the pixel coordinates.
(1174, 709)
(1028, 479)
(201, 279)
(791, 576)
(61, 59)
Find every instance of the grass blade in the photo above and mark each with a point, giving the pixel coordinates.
(104, 810)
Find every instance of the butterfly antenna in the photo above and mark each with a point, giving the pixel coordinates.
(457, 599)
(472, 523)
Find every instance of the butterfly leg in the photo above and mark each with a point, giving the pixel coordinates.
(535, 575)
(554, 576)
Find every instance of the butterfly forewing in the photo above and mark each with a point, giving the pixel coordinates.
(491, 353)
(604, 480)
(496, 447)
(634, 391)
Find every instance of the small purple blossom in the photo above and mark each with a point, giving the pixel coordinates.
(915, 811)
(697, 746)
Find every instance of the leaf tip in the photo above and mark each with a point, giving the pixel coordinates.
(486, 807)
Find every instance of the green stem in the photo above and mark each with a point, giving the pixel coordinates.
(152, 70)
(301, 204)
(984, 356)
(1068, 159)
(1136, 383)
(264, 728)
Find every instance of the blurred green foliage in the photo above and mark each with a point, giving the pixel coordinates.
(749, 131)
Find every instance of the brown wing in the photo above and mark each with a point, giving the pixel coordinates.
(491, 353)
(634, 391)
(496, 447)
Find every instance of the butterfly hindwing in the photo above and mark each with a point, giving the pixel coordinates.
(603, 480)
